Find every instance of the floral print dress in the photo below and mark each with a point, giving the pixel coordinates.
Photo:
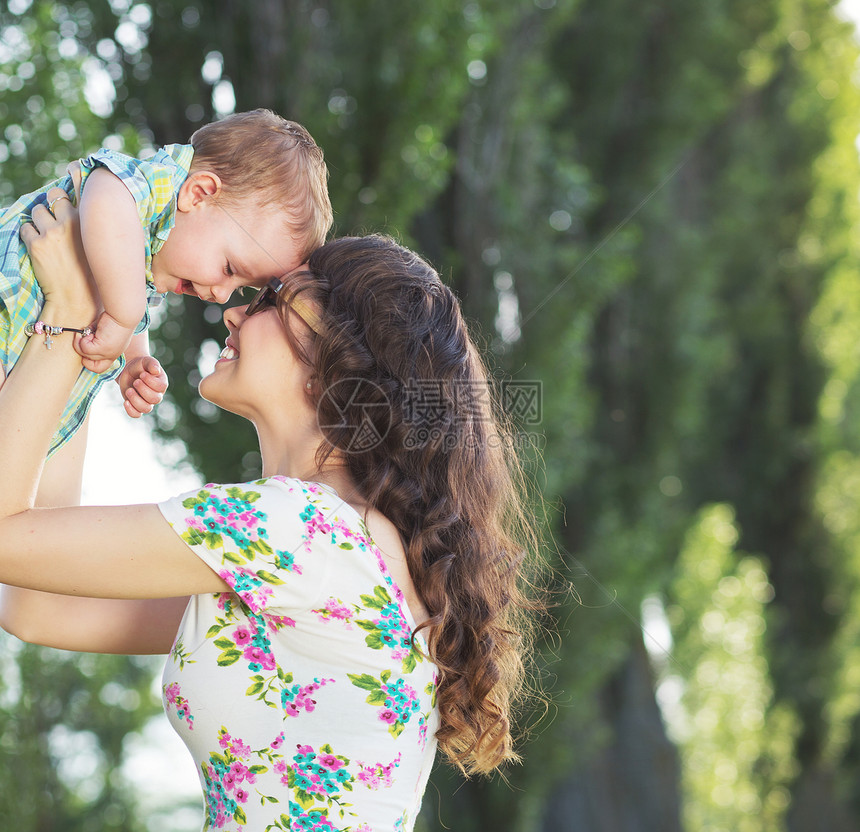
(300, 694)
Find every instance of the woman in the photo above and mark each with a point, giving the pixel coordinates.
(354, 607)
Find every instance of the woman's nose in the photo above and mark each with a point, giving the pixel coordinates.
(234, 316)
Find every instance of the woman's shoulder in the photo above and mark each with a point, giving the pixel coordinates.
(308, 501)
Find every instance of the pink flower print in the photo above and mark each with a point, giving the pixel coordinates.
(242, 636)
(278, 741)
(256, 655)
(195, 523)
(280, 766)
(276, 622)
(256, 598)
(330, 762)
(241, 796)
(376, 775)
(304, 749)
(335, 609)
(388, 716)
(338, 609)
(248, 519)
(173, 696)
(229, 780)
(239, 748)
(239, 771)
(224, 739)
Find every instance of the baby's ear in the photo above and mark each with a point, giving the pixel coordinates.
(199, 186)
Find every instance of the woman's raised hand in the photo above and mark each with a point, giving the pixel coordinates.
(53, 240)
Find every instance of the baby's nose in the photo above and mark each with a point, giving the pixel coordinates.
(221, 293)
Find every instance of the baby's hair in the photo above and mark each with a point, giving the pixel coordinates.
(262, 156)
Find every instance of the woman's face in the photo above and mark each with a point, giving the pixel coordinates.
(258, 373)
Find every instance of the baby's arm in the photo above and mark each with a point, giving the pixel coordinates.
(113, 241)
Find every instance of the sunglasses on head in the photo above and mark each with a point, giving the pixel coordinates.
(269, 296)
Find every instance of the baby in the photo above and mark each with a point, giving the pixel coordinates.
(245, 201)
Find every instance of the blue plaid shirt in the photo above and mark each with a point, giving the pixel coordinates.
(154, 184)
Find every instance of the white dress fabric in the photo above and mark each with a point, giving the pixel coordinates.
(300, 694)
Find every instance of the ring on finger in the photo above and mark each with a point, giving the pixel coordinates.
(56, 199)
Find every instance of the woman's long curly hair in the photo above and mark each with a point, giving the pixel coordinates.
(404, 400)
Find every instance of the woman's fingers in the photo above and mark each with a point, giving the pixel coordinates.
(74, 170)
(46, 215)
(59, 203)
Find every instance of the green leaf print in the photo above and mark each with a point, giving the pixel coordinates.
(378, 600)
(239, 816)
(254, 689)
(268, 577)
(191, 502)
(367, 625)
(377, 697)
(346, 546)
(228, 657)
(218, 758)
(212, 540)
(304, 799)
(261, 547)
(382, 593)
(374, 642)
(396, 729)
(233, 558)
(224, 643)
(246, 496)
(214, 630)
(192, 537)
(364, 681)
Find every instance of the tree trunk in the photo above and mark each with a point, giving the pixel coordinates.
(632, 785)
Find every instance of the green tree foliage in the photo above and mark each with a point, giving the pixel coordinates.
(63, 717)
(648, 207)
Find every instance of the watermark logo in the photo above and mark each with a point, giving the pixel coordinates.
(363, 420)
(432, 411)
(523, 401)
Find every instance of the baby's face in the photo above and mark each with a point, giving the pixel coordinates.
(215, 249)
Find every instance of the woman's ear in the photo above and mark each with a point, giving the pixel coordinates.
(198, 187)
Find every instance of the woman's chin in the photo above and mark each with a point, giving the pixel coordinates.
(213, 391)
(210, 389)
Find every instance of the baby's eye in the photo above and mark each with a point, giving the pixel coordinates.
(228, 269)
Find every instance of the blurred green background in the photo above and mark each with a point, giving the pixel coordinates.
(651, 208)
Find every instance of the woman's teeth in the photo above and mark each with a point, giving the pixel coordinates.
(229, 352)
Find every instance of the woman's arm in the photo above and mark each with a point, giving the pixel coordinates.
(91, 625)
(117, 552)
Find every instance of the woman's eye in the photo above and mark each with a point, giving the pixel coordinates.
(228, 269)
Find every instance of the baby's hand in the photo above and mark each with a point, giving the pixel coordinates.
(109, 341)
(142, 383)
